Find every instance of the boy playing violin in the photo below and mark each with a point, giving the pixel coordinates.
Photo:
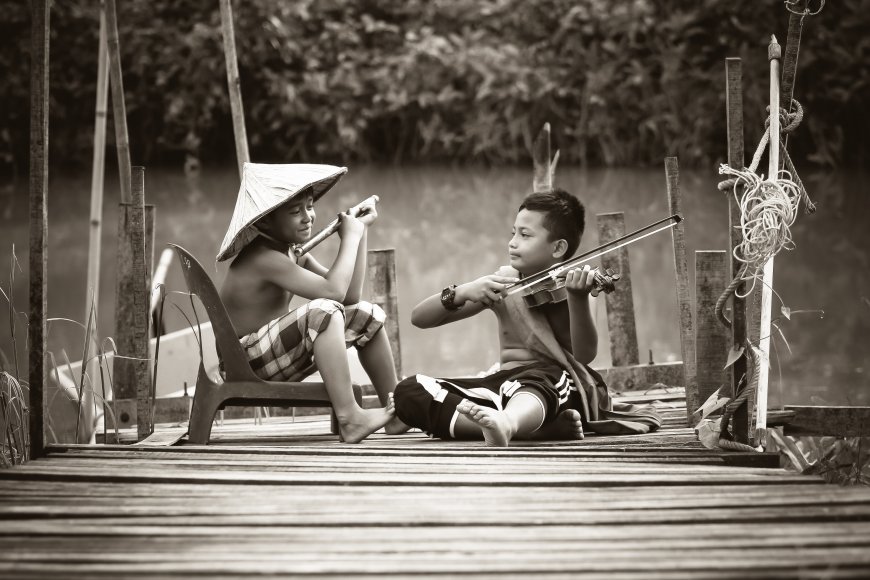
(274, 213)
(544, 388)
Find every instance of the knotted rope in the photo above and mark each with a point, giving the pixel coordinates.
(768, 209)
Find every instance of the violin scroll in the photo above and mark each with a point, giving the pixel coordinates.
(604, 282)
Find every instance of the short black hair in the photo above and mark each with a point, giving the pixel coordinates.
(564, 216)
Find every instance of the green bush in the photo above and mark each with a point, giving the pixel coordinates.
(623, 83)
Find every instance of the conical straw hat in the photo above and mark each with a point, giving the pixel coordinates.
(265, 186)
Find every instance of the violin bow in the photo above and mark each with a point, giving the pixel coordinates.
(620, 242)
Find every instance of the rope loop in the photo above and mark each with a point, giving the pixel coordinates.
(791, 4)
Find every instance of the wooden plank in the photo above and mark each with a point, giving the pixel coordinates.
(381, 277)
(620, 303)
(642, 377)
(234, 84)
(711, 338)
(828, 421)
(734, 121)
(122, 141)
(38, 252)
(681, 269)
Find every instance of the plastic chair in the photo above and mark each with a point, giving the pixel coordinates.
(241, 387)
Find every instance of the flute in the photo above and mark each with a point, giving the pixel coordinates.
(331, 228)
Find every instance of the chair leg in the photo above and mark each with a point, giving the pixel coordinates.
(201, 419)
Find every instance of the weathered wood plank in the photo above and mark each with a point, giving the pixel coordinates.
(711, 338)
(381, 277)
(619, 303)
(38, 252)
(734, 121)
(684, 303)
(645, 376)
(828, 421)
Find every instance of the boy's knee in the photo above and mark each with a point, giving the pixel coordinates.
(326, 305)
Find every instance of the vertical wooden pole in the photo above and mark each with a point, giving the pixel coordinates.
(789, 66)
(234, 84)
(122, 142)
(773, 54)
(92, 296)
(382, 277)
(681, 269)
(734, 121)
(711, 338)
(620, 303)
(37, 266)
(141, 306)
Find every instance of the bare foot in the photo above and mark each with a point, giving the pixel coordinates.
(495, 425)
(364, 422)
(566, 426)
(395, 425)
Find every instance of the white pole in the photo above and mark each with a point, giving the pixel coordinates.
(92, 297)
(774, 52)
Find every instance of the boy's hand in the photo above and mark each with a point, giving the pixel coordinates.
(367, 213)
(580, 281)
(350, 225)
(487, 290)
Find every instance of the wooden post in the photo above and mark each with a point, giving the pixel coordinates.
(681, 269)
(544, 165)
(789, 66)
(620, 303)
(38, 262)
(773, 54)
(141, 306)
(92, 296)
(234, 84)
(382, 277)
(122, 142)
(711, 338)
(734, 121)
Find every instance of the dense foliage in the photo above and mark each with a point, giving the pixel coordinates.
(622, 83)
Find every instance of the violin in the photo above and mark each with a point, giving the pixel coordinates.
(553, 291)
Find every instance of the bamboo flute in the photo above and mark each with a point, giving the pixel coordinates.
(331, 228)
(774, 53)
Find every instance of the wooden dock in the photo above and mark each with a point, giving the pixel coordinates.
(285, 498)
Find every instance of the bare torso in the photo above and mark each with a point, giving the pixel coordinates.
(250, 300)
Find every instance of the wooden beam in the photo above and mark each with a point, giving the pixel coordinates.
(684, 303)
(711, 338)
(234, 84)
(828, 421)
(122, 141)
(734, 121)
(642, 377)
(383, 292)
(620, 303)
(38, 257)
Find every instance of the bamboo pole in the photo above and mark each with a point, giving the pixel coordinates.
(773, 54)
(234, 85)
(681, 271)
(38, 257)
(734, 121)
(122, 141)
(92, 297)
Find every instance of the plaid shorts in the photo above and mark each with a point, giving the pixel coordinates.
(283, 349)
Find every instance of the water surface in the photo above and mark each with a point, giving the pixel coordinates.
(450, 225)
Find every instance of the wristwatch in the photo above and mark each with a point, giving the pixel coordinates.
(448, 295)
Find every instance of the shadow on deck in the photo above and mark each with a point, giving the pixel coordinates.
(286, 498)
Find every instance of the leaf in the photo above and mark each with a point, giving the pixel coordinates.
(733, 356)
(713, 402)
(708, 432)
(786, 311)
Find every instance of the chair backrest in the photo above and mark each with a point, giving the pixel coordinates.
(235, 362)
